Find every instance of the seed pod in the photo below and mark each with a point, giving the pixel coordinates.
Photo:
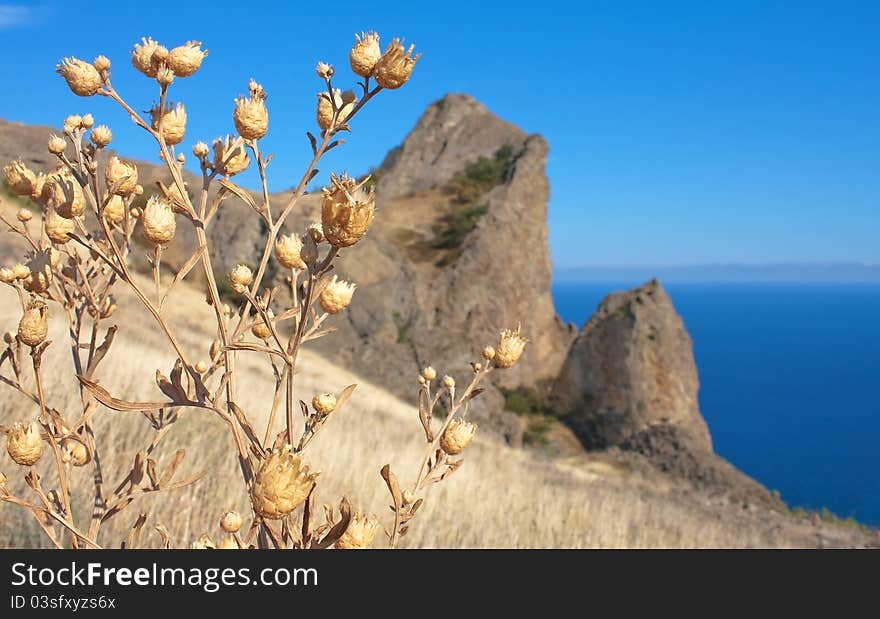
(365, 54)
(34, 325)
(324, 403)
(57, 144)
(261, 329)
(448, 382)
(202, 367)
(82, 77)
(114, 212)
(101, 136)
(23, 443)
(159, 223)
(24, 215)
(240, 278)
(510, 348)
(287, 251)
(87, 121)
(229, 158)
(250, 115)
(215, 350)
(429, 373)
(457, 436)
(395, 66)
(40, 268)
(336, 295)
(20, 271)
(488, 353)
(200, 150)
(63, 192)
(7, 275)
(73, 450)
(102, 63)
(360, 533)
(282, 484)
(185, 60)
(346, 210)
(121, 176)
(324, 70)
(325, 109)
(173, 122)
(231, 522)
(19, 178)
(147, 55)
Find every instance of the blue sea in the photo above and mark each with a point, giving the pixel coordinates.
(789, 380)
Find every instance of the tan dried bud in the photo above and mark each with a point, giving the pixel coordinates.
(87, 121)
(448, 382)
(63, 192)
(181, 158)
(121, 176)
(145, 57)
(336, 295)
(457, 436)
(159, 222)
(204, 542)
(7, 276)
(282, 484)
(346, 210)
(395, 66)
(40, 267)
(408, 497)
(215, 350)
(231, 522)
(261, 329)
(34, 324)
(200, 150)
(477, 367)
(202, 367)
(114, 211)
(365, 53)
(173, 120)
(101, 136)
(360, 533)
(230, 158)
(102, 63)
(24, 215)
(185, 60)
(20, 271)
(20, 178)
(73, 450)
(510, 348)
(240, 278)
(57, 144)
(57, 227)
(135, 213)
(287, 251)
(429, 373)
(324, 403)
(325, 109)
(250, 114)
(72, 123)
(324, 70)
(488, 353)
(23, 443)
(82, 78)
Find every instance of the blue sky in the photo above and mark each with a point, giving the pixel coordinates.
(680, 132)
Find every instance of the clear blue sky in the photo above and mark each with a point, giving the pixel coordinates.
(680, 132)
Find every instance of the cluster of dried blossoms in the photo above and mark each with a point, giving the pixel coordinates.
(79, 251)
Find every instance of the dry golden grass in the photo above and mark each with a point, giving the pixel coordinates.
(503, 498)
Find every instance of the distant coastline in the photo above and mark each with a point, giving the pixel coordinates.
(826, 273)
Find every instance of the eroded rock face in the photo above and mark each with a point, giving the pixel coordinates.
(632, 370)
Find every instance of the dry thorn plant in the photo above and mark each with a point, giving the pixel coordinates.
(79, 251)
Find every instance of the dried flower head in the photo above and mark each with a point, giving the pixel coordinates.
(365, 54)
(159, 223)
(57, 144)
(360, 532)
(282, 484)
(165, 76)
(87, 121)
(114, 211)
(24, 215)
(185, 60)
(346, 210)
(231, 522)
(488, 353)
(325, 109)
(40, 267)
(429, 373)
(172, 120)
(21, 271)
(287, 251)
(202, 367)
(145, 57)
(121, 176)
(457, 436)
(250, 114)
(336, 295)
(324, 70)
(63, 192)
(230, 157)
(261, 329)
(74, 451)
(448, 382)
(200, 150)
(395, 66)
(82, 78)
(101, 136)
(324, 403)
(102, 63)
(7, 276)
(34, 324)
(23, 443)
(19, 178)
(72, 123)
(240, 278)
(510, 348)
